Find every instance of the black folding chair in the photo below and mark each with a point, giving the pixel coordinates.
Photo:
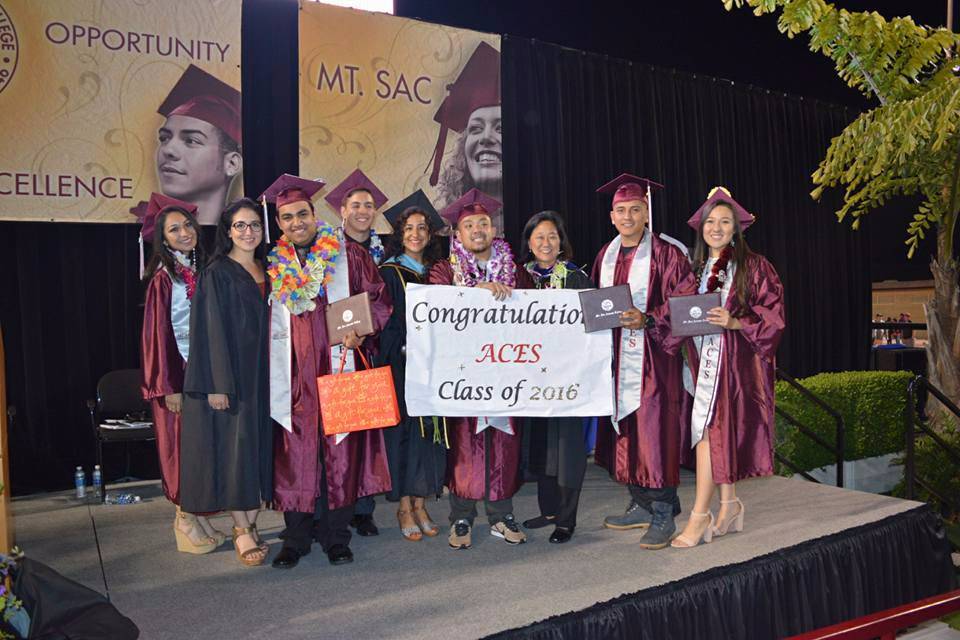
(119, 397)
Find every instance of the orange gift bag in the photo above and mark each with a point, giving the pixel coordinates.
(358, 400)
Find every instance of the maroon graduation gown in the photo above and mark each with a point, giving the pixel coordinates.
(163, 369)
(647, 451)
(467, 459)
(357, 466)
(741, 430)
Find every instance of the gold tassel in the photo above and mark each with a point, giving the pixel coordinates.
(423, 433)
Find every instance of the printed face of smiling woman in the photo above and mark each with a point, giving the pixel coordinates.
(483, 148)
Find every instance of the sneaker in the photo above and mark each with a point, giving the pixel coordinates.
(509, 530)
(635, 517)
(662, 527)
(459, 535)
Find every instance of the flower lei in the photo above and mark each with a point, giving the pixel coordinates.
(500, 267)
(295, 286)
(558, 273)
(186, 270)
(376, 247)
(11, 608)
(718, 273)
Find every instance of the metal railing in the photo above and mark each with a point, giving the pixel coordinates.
(836, 449)
(885, 624)
(912, 424)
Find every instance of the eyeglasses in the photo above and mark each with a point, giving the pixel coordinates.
(241, 226)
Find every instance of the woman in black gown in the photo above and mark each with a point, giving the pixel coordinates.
(557, 449)
(416, 450)
(226, 440)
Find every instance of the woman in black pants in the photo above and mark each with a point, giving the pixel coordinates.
(557, 450)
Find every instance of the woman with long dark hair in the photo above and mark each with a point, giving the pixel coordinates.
(416, 447)
(557, 448)
(731, 421)
(226, 445)
(171, 280)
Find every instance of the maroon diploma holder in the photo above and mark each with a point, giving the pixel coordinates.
(688, 315)
(349, 314)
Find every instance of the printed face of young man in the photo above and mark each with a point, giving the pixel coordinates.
(297, 222)
(358, 212)
(482, 147)
(630, 218)
(476, 232)
(190, 160)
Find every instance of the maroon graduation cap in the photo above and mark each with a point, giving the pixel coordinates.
(717, 194)
(200, 95)
(478, 85)
(469, 204)
(290, 188)
(148, 212)
(627, 187)
(356, 180)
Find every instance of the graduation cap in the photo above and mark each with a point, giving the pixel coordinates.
(718, 194)
(417, 200)
(469, 204)
(148, 212)
(627, 188)
(286, 189)
(200, 95)
(356, 180)
(478, 85)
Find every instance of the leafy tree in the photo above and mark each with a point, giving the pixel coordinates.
(908, 145)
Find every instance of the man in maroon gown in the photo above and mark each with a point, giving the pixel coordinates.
(640, 444)
(358, 200)
(484, 465)
(317, 478)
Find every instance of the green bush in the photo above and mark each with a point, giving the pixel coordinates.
(871, 403)
(939, 471)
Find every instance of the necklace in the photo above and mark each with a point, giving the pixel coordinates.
(185, 269)
(376, 247)
(718, 273)
(558, 274)
(500, 267)
(294, 285)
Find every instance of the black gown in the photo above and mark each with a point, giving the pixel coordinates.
(417, 464)
(227, 456)
(556, 449)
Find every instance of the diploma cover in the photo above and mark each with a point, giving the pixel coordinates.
(602, 307)
(688, 315)
(349, 314)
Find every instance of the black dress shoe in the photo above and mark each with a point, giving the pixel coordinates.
(288, 558)
(364, 525)
(538, 522)
(561, 535)
(340, 554)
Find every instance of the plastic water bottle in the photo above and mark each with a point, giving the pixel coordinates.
(97, 482)
(80, 482)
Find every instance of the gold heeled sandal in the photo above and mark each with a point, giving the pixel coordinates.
(423, 520)
(185, 544)
(736, 521)
(411, 533)
(680, 542)
(252, 557)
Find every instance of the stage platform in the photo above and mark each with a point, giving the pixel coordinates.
(810, 555)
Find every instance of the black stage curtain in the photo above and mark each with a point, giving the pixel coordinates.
(812, 585)
(72, 309)
(574, 120)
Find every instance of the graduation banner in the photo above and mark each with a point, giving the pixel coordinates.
(106, 101)
(471, 355)
(414, 105)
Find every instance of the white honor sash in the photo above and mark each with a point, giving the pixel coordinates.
(628, 384)
(711, 353)
(180, 316)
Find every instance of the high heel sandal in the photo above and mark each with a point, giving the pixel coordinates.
(249, 557)
(681, 542)
(261, 543)
(206, 544)
(217, 536)
(411, 533)
(736, 521)
(427, 526)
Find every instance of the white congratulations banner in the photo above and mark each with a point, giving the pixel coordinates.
(469, 354)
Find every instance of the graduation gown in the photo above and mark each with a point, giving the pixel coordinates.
(470, 466)
(357, 466)
(741, 429)
(162, 376)
(417, 464)
(556, 445)
(226, 455)
(647, 450)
